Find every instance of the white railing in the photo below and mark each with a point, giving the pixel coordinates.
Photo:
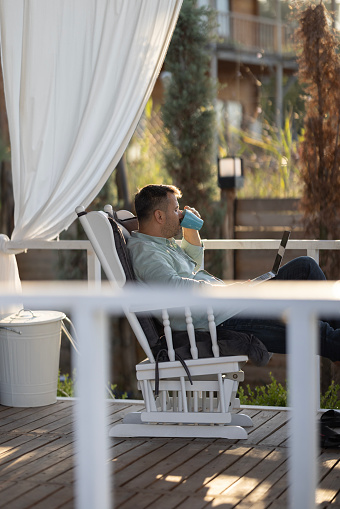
(312, 248)
(299, 303)
(93, 265)
(255, 33)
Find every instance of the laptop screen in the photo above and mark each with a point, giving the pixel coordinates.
(281, 251)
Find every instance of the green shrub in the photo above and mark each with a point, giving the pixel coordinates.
(275, 394)
(66, 387)
(331, 398)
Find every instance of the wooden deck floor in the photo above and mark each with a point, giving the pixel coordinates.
(37, 464)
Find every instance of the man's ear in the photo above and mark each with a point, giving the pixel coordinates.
(159, 216)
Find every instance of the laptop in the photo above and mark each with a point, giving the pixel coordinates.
(277, 263)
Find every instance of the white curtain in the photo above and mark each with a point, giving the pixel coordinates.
(77, 76)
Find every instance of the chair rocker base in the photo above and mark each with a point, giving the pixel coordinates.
(133, 425)
(140, 418)
(178, 431)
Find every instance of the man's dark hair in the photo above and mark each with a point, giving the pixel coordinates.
(153, 197)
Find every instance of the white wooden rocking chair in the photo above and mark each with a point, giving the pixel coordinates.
(175, 406)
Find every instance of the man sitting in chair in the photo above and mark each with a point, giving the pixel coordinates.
(156, 258)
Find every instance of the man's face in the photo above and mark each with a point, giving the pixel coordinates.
(173, 215)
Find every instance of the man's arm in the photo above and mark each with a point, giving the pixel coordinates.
(151, 266)
(192, 236)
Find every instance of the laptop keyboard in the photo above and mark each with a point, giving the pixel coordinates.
(264, 277)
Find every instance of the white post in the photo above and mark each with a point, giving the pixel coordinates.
(93, 269)
(92, 468)
(302, 331)
(314, 253)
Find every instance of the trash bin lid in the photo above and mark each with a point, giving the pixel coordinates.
(27, 317)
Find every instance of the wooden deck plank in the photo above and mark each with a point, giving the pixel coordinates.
(146, 467)
(241, 468)
(47, 423)
(13, 491)
(194, 502)
(329, 485)
(120, 496)
(67, 477)
(38, 470)
(22, 415)
(37, 464)
(57, 499)
(261, 418)
(7, 411)
(19, 451)
(161, 469)
(168, 501)
(135, 454)
(119, 414)
(278, 437)
(189, 467)
(267, 428)
(336, 500)
(141, 500)
(269, 489)
(249, 482)
(34, 496)
(29, 418)
(121, 446)
(13, 468)
(61, 465)
(10, 441)
(56, 426)
(205, 475)
(114, 407)
(328, 459)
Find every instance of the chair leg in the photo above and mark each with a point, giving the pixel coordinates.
(241, 420)
(132, 418)
(221, 393)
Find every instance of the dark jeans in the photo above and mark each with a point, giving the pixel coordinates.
(273, 332)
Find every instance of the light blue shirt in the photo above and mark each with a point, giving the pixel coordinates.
(162, 261)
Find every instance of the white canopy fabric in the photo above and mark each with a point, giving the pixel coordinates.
(77, 76)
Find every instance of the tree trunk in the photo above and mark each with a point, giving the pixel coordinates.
(6, 188)
(122, 184)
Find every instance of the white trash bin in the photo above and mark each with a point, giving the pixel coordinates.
(29, 358)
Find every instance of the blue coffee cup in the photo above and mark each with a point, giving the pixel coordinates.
(190, 220)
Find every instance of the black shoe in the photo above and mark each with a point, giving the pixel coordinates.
(331, 418)
(328, 437)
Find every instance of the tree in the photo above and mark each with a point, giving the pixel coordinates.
(188, 112)
(189, 118)
(319, 70)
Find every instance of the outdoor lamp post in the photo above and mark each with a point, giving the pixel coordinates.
(230, 178)
(230, 173)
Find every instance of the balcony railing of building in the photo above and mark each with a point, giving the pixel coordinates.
(254, 33)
